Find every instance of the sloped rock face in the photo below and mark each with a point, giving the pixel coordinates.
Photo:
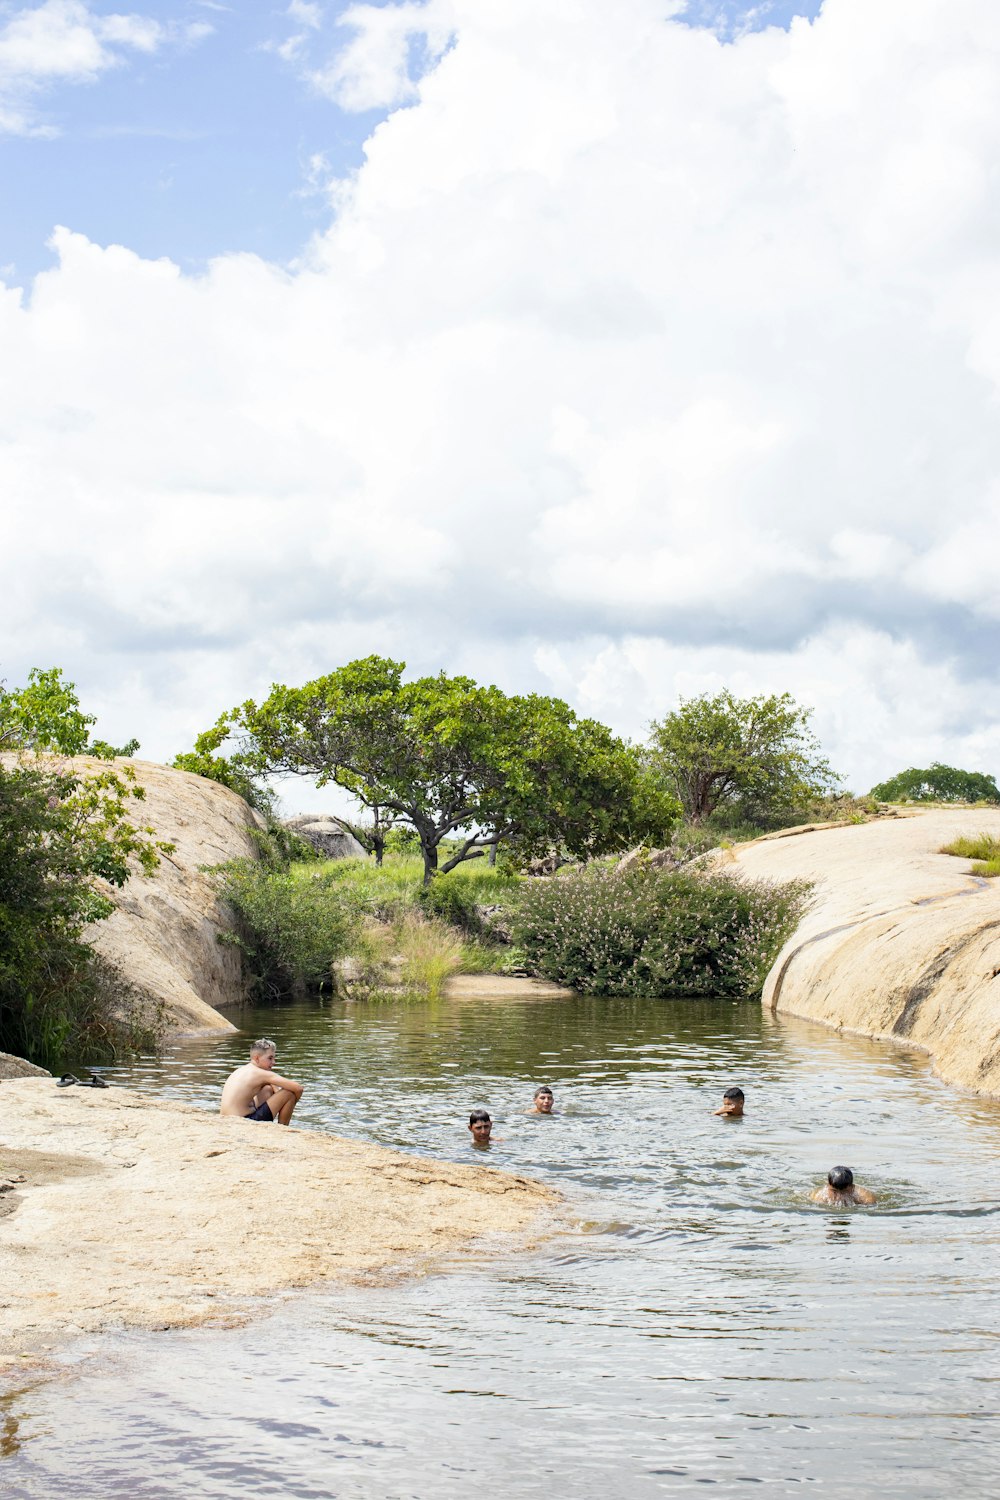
(164, 936)
(900, 942)
(17, 1067)
(326, 835)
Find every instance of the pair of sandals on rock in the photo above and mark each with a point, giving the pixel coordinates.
(93, 1082)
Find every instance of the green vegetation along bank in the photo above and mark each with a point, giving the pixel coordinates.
(639, 931)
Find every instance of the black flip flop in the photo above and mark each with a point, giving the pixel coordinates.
(65, 1081)
(93, 1082)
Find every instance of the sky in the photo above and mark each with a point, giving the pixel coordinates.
(618, 352)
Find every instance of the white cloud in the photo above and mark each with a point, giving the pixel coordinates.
(307, 19)
(375, 70)
(64, 41)
(633, 364)
(306, 14)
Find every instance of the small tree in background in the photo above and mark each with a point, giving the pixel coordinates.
(938, 784)
(456, 761)
(66, 834)
(754, 756)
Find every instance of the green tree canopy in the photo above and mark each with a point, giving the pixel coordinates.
(455, 761)
(938, 784)
(45, 716)
(757, 755)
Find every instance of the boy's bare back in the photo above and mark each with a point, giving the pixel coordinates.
(241, 1087)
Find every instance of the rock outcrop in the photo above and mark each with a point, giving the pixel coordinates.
(900, 941)
(18, 1067)
(132, 1210)
(327, 836)
(164, 936)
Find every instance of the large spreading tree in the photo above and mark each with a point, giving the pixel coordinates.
(464, 766)
(938, 784)
(753, 756)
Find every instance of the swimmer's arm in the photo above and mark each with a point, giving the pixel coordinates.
(864, 1196)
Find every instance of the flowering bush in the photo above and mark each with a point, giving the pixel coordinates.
(656, 931)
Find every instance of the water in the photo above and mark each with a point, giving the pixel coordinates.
(701, 1327)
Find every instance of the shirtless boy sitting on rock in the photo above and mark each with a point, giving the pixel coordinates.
(257, 1092)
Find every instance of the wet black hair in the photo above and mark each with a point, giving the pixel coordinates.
(479, 1114)
(840, 1178)
(733, 1094)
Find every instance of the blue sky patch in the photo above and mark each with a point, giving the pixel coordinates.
(209, 137)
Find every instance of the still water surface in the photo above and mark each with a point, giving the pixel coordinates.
(702, 1327)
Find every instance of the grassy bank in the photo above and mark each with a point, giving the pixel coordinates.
(350, 924)
(354, 927)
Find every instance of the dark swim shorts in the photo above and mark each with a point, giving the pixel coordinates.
(262, 1112)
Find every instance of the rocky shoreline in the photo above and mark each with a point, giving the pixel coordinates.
(901, 943)
(121, 1210)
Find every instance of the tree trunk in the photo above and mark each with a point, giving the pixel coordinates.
(430, 853)
(493, 853)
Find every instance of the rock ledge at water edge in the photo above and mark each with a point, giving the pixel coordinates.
(900, 943)
(125, 1210)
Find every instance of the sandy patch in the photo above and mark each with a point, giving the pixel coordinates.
(503, 987)
(139, 1213)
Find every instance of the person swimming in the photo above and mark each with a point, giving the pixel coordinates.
(732, 1104)
(840, 1190)
(481, 1127)
(544, 1100)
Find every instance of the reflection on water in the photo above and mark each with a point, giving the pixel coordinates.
(703, 1324)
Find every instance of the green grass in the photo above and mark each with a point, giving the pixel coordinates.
(984, 848)
(304, 925)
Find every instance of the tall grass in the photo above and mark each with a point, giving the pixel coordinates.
(984, 848)
(431, 954)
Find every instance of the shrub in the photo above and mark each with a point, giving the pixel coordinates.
(469, 901)
(384, 893)
(656, 932)
(64, 834)
(296, 924)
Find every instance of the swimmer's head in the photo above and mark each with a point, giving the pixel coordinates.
(732, 1102)
(263, 1052)
(544, 1099)
(480, 1124)
(840, 1179)
(736, 1095)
